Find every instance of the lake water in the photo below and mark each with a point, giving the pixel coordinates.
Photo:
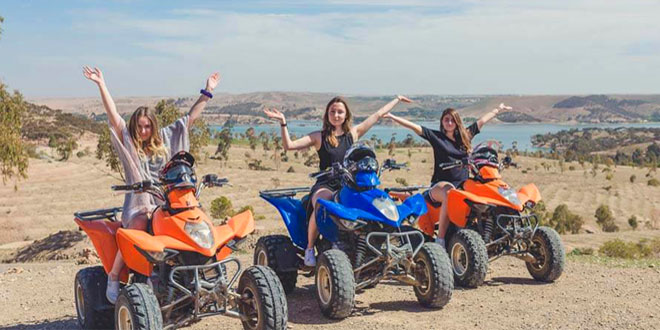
(505, 133)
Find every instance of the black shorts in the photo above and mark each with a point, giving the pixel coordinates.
(333, 185)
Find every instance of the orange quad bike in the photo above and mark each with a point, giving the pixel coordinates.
(180, 269)
(488, 220)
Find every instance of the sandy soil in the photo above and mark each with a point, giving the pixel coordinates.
(38, 226)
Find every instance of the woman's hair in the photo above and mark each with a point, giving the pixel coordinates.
(461, 135)
(327, 126)
(154, 145)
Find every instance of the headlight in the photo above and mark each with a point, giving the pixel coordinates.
(157, 255)
(387, 207)
(510, 195)
(201, 233)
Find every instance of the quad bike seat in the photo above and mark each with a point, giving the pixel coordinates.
(430, 200)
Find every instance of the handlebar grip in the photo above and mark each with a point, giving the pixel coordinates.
(122, 187)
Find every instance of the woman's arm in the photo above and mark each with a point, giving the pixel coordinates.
(306, 141)
(114, 118)
(405, 123)
(490, 115)
(362, 128)
(197, 108)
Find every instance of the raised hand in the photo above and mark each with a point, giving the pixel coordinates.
(403, 99)
(275, 114)
(503, 107)
(388, 116)
(94, 75)
(212, 81)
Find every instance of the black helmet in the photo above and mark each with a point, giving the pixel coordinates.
(360, 157)
(178, 172)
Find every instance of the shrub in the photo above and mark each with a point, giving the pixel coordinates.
(653, 182)
(609, 176)
(582, 252)
(605, 219)
(564, 221)
(632, 221)
(401, 181)
(627, 250)
(221, 207)
(632, 178)
(290, 170)
(571, 168)
(245, 208)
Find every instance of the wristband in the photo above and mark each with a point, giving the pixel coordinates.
(207, 93)
(283, 125)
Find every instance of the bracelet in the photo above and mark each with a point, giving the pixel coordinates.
(282, 125)
(207, 93)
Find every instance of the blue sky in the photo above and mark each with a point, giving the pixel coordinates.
(351, 47)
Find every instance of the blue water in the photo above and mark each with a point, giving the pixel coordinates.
(505, 133)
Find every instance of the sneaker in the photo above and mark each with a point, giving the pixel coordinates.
(440, 241)
(112, 291)
(310, 258)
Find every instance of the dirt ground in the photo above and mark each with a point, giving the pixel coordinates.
(40, 238)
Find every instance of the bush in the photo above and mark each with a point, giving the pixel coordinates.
(221, 207)
(245, 208)
(632, 221)
(290, 170)
(564, 221)
(605, 219)
(582, 252)
(609, 176)
(653, 182)
(401, 181)
(632, 178)
(627, 250)
(571, 168)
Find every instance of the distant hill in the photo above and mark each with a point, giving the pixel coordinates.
(310, 106)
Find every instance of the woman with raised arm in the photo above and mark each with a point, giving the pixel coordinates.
(452, 142)
(331, 143)
(143, 149)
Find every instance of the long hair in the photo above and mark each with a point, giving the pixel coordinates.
(327, 126)
(461, 135)
(154, 145)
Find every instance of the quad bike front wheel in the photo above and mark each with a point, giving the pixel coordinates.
(335, 284)
(263, 303)
(93, 309)
(469, 258)
(266, 252)
(548, 250)
(433, 272)
(137, 309)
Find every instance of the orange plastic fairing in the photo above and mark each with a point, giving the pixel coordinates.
(127, 239)
(458, 210)
(242, 224)
(182, 198)
(426, 222)
(529, 192)
(102, 235)
(489, 172)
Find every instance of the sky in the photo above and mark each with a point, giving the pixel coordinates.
(371, 47)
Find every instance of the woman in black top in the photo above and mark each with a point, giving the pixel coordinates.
(452, 142)
(331, 143)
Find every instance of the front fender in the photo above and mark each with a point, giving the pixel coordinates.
(529, 192)
(414, 205)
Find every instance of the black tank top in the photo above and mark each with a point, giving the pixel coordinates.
(329, 155)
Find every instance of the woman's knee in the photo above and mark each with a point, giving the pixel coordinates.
(322, 193)
(440, 190)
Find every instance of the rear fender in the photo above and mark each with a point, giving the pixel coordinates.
(414, 205)
(102, 234)
(529, 192)
(293, 216)
(242, 224)
(458, 209)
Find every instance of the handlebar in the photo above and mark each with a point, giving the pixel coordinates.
(138, 186)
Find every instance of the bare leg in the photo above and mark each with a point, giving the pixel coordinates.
(439, 194)
(312, 230)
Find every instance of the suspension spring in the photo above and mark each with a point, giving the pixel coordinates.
(488, 229)
(360, 249)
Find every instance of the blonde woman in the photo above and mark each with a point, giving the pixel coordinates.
(143, 148)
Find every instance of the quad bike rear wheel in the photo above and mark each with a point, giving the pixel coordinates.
(335, 284)
(433, 271)
(263, 303)
(469, 258)
(548, 250)
(266, 252)
(93, 309)
(137, 309)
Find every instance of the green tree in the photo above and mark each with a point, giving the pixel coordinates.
(224, 143)
(632, 221)
(105, 151)
(564, 221)
(221, 207)
(1, 20)
(13, 151)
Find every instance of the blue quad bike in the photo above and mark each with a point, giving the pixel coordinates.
(363, 239)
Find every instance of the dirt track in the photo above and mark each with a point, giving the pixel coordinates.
(587, 296)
